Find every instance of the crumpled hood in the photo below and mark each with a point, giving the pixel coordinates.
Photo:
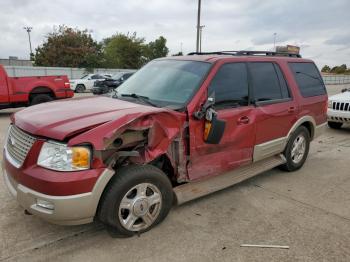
(342, 97)
(61, 119)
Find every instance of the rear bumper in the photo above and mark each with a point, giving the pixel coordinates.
(65, 210)
(69, 93)
(338, 116)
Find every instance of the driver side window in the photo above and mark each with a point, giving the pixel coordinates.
(230, 85)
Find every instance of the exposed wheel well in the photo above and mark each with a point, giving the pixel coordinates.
(164, 163)
(41, 90)
(310, 127)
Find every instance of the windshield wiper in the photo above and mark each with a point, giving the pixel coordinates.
(144, 99)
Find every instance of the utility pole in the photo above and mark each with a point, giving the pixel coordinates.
(274, 41)
(200, 37)
(198, 25)
(181, 47)
(29, 29)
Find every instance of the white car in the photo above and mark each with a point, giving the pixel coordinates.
(339, 109)
(86, 82)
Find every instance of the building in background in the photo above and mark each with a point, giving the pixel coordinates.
(14, 61)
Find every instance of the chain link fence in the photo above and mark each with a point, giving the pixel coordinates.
(336, 79)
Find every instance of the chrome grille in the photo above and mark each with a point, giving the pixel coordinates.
(18, 145)
(341, 106)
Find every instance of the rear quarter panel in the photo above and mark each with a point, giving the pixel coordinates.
(314, 106)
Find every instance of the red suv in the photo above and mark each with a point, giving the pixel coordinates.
(178, 129)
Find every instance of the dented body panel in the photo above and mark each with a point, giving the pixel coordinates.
(121, 133)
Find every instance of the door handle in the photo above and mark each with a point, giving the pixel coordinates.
(292, 109)
(243, 120)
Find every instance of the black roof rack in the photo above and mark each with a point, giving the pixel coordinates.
(247, 53)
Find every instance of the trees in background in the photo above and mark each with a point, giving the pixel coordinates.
(123, 51)
(156, 49)
(336, 70)
(68, 47)
(326, 69)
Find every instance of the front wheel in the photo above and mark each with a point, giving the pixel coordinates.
(297, 149)
(80, 89)
(137, 199)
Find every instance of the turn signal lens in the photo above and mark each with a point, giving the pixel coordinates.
(207, 127)
(80, 157)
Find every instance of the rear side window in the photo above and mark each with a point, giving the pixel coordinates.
(230, 85)
(268, 82)
(308, 79)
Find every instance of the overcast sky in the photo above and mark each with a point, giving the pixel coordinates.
(320, 27)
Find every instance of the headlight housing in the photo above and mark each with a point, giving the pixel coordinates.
(330, 104)
(60, 157)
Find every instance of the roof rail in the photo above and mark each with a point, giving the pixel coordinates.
(247, 53)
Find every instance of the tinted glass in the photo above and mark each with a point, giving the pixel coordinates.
(126, 76)
(230, 85)
(308, 78)
(265, 82)
(283, 83)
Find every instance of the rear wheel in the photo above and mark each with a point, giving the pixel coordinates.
(40, 98)
(80, 88)
(335, 125)
(297, 149)
(137, 199)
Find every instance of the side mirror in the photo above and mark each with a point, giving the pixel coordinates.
(214, 130)
(202, 112)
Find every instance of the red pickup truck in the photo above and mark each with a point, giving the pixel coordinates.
(178, 129)
(32, 90)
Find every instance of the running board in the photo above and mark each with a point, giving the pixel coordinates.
(196, 189)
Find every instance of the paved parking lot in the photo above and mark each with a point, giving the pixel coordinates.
(308, 210)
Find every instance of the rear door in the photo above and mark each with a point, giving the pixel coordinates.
(230, 85)
(276, 110)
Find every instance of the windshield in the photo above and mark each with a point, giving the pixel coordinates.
(117, 76)
(166, 82)
(85, 76)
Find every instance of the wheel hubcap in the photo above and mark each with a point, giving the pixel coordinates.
(140, 207)
(298, 149)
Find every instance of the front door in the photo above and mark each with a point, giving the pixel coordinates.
(230, 85)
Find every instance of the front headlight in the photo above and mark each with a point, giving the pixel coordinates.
(60, 157)
(330, 104)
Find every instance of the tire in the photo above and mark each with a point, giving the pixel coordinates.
(40, 98)
(133, 187)
(299, 142)
(80, 88)
(335, 125)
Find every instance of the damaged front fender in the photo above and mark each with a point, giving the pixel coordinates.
(140, 137)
